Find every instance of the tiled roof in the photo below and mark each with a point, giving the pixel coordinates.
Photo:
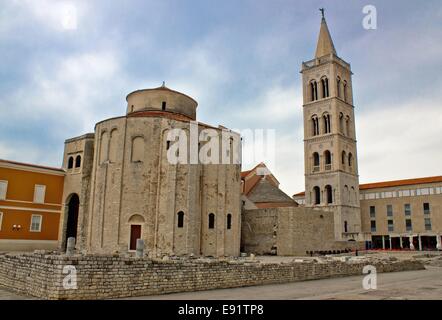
(398, 183)
(395, 183)
(31, 165)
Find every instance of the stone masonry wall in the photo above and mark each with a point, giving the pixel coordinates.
(112, 276)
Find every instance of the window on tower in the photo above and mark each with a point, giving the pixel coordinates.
(338, 87)
(345, 91)
(325, 91)
(343, 158)
(315, 125)
(314, 90)
(327, 157)
(329, 193)
(317, 195)
(315, 162)
(341, 122)
(327, 123)
(350, 160)
(347, 126)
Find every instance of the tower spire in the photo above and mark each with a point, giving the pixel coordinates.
(325, 44)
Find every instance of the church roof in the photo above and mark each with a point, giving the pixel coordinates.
(325, 44)
(265, 191)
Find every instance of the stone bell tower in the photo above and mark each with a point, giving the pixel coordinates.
(331, 162)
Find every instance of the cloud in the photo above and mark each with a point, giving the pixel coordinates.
(398, 142)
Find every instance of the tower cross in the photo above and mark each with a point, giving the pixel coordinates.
(322, 12)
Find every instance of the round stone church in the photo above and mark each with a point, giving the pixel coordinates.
(121, 186)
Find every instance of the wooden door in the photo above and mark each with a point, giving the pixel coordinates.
(135, 233)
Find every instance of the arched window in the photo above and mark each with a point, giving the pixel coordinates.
(338, 87)
(344, 156)
(180, 218)
(229, 221)
(113, 146)
(314, 90)
(104, 145)
(78, 161)
(317, 195)
(327, 158)
(315, 162)
(350, 160)
(353, 194)
(345, 90)
(137, 149)
(327, 123)
(329, 193)
(324, 83)
(341, 122)
(345, 226)
(70, 162)
(347, 126)
(211, 220)
(315, 125)
(346, 194)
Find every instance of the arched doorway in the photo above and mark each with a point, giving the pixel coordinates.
(72, 217)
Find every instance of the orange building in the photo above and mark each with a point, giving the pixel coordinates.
(30, 206)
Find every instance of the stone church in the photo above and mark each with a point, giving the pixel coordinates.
(121, 186)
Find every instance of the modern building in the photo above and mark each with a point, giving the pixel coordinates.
(30, 206)
(403, 214)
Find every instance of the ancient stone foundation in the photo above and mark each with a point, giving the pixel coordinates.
(110, 276)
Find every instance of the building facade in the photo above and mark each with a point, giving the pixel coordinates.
(330, 154)
(403, 214)
(127, 188)
(30, 206)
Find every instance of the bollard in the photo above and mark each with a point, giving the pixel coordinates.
(140, 248)
(70, 248)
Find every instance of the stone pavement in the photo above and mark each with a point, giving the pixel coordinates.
(423, 284)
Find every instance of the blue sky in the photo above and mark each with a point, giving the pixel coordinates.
(239, 59)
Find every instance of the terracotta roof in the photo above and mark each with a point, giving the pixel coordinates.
(397, 183)
(394, 183)
(31, 165)
(245, 173)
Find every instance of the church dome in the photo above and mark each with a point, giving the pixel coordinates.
(161, 99)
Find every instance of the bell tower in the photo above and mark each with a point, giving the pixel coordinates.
(330, 155)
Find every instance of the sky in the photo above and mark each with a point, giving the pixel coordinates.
(65, 65)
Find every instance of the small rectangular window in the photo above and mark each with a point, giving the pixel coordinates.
(389, 210)
(407, 209)
(408, 225)
(390, 225)
(163, 105)
(426, 208)
(36, 223)
(373, 225)
(1, 220)
(39, 193)
(3, 189)
(372, 212)
(427, 224)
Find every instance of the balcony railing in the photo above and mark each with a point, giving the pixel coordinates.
(316, 169)
(328, 167)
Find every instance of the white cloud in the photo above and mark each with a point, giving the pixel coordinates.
(400, 141)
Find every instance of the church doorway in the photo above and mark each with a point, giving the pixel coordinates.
(135, 233)
(72, 217)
